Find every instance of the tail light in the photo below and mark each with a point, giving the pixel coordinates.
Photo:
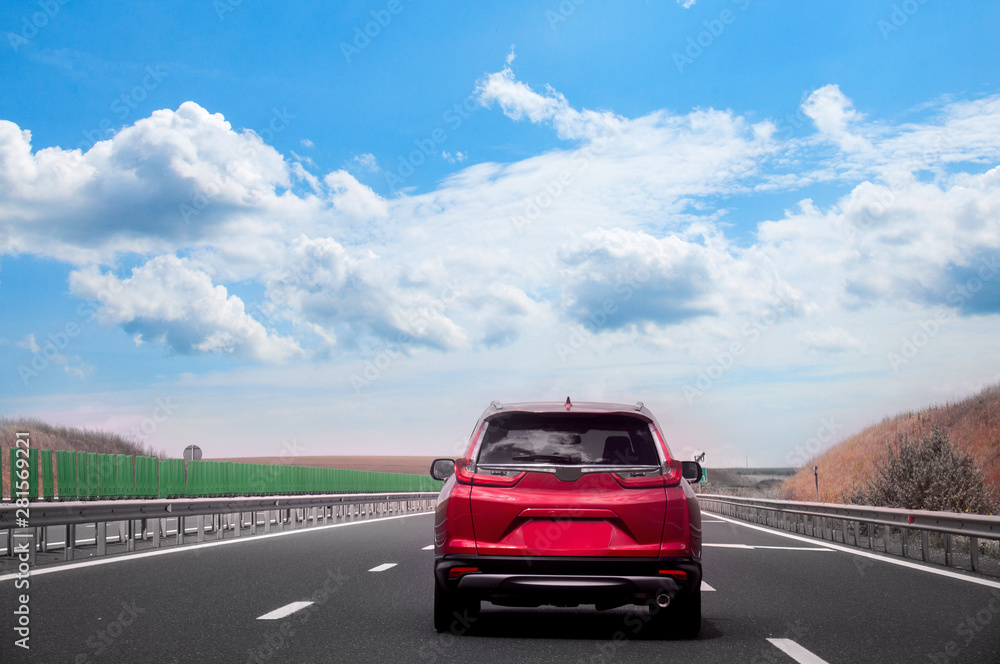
(671, 476)
(458, 572)
(464, 475)
(675, 573)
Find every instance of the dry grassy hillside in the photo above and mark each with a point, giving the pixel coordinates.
(973, 425)
(49, 437)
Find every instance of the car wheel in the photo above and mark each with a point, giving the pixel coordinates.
(682, 619)
(452, 614)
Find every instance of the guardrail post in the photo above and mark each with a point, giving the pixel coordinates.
(904, 536)
(886, 537)
(238, 524)
(130, 535)
(947, 549)
(102, 538)
(923, 545)
(974, 553)
(180, 530)
(70, 549)
(157, 524)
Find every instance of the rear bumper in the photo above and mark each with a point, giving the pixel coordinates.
(565, 581)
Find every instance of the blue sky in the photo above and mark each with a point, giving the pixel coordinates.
(758, 218)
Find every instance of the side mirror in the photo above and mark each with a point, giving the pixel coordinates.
(691, 470)
(442, 469)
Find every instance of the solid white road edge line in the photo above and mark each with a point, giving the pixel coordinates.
(383, 567)
(796, 652)
(288, 609)
(756, 546)
(866, 554)
(204, 545)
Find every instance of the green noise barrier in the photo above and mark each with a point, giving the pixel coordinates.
(91, 476)
(66, 479)
(48, 486)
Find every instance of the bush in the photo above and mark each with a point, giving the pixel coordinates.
(928, 474)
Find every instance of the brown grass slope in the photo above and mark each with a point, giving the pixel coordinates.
(973, 425)
(44, 436)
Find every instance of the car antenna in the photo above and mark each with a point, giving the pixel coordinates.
(569, 404)
(497, 405)
(638, 405)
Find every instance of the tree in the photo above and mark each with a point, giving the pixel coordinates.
(928, 474)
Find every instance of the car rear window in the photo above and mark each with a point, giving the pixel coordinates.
(568, 438)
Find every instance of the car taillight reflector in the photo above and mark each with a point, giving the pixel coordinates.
(680, 575)
(465, 476)
(456, 572)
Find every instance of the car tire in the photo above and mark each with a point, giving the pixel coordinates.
(682, 619)
(452, 614)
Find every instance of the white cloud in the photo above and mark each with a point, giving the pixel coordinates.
(519, 101)
(831, 340)
(353, 199)
(835, 117)
(50, 353)
(170, 301)
(499, 254)
(174, 178)
(29, 344)
(636, 278)
(366, 162)
(354, 296)
(306, 143)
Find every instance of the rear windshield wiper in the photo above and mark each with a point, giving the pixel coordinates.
(551, 458)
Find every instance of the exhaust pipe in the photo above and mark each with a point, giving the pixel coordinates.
(663, 600)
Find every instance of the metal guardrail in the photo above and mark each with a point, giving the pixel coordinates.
(805, 517)
(227, 514)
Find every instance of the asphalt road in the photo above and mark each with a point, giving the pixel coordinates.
(371, 588)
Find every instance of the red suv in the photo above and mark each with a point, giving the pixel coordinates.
(568, 504)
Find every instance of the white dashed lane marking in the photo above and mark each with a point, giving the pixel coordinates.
(288, 609)
(705, 588)
(429, 547)
(383, 567)
(796, 652)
